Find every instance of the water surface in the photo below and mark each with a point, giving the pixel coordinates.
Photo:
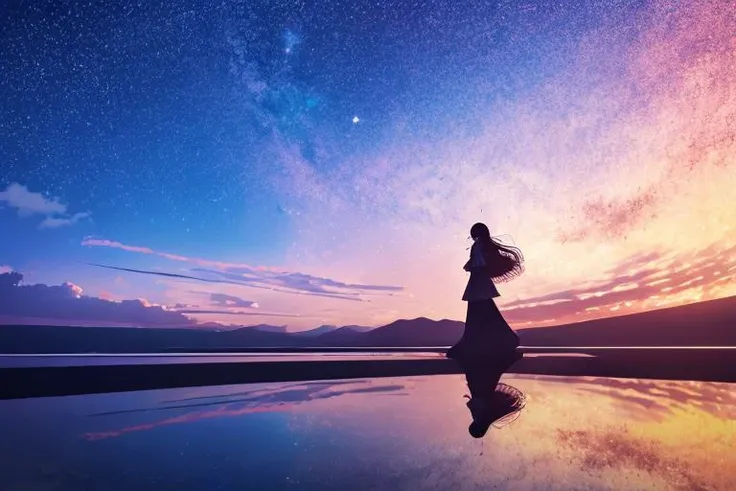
(401, 433)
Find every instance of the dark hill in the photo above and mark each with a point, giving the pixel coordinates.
(343, 336)
(414, 332)
(710, 323)
(318, 331)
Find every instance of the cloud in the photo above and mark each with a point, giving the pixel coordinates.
(93, 242)
(638, 284)
(238, 312)
(223, 300)
(213, 403)
(297, 281)
(160, 273)
(28, 203)
(661, 397)
(56, 222)
(5, 269)
(235, 279)
(67, 302)
(252, 276)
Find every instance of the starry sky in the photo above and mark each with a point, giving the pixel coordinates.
(306, 163)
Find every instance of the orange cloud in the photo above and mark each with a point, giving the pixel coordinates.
(633, 291)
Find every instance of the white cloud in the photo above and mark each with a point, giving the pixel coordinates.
(56, 222)
(28, 203)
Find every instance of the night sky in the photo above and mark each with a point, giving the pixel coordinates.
(307, 163)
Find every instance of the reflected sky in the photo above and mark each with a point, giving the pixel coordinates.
(403, 433)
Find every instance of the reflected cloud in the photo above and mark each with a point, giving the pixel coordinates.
(281, 399)
(657, 399)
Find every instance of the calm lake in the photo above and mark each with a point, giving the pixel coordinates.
(383, 434)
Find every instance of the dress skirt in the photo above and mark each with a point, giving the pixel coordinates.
(487, 341)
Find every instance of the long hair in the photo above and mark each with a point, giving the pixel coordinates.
(505, 262)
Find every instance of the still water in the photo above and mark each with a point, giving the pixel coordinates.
(401, 433)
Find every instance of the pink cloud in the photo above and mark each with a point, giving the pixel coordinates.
(105, 295)
(628, 292)
(92, 242)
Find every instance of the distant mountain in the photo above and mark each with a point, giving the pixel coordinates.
(210, 325)
(413, 332)
(343, 336)
(333, 335)
(316, 331)
(711, 323)
(267, 328)
(359, 328)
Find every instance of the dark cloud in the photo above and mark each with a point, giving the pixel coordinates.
(66, 302)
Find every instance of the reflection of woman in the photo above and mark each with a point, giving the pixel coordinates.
(487, 336)
(500, 407)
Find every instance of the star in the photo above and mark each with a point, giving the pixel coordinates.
(356, 120)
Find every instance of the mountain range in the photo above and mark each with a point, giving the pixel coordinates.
(709, 323)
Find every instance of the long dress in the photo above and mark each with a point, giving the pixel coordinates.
(488, 340)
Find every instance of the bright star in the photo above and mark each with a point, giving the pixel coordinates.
(356, 119)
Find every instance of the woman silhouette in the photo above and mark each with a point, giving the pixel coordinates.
(488, 345)
(488, 340)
